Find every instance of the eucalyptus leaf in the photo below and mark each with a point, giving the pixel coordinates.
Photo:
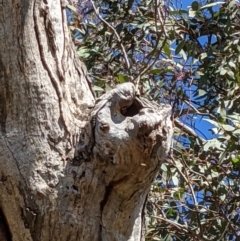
(180, 46)
(211, 5)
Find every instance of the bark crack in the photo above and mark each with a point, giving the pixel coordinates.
(3, 103)
(51, 37)
(5, 234)
(45, 65)
(16, 161)
(108, 191)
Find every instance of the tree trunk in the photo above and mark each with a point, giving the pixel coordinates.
(69, 170)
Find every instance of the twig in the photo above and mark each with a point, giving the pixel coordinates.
(197, 173)
(225, 230)
(229, 223)
(159, 12)
(136, 80)
(177, 225)
(115, 33)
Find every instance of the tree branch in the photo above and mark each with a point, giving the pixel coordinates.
(188, 130)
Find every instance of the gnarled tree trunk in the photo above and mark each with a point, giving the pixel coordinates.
(69, 169)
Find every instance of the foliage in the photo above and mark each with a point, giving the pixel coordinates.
(190, 59)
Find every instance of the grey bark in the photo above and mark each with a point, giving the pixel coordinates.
(69, 169)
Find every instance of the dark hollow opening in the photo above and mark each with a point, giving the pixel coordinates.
(133, 109)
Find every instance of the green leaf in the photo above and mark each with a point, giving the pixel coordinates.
(167, 50)
(203, 56)
(83, 52)
(119, 28)
(228, 127)
(201, 92)
(178, 12)
(230, 73)
(211, 5)
(156, 71)
(183, 54)
(97, 88)
(236, 132)
(168, 237)
(215, 123)
(213, 144)
(72, 8)
(160, 83)
(156, 238)
(238, 74)
(195, 6)
(175, 180)
(235, 160)
(122, 78)
(232, 64)
(180, 46)
(107, 87)
(222, 197)
(164, 167)
(191, 13)
(91, 25)
(223, 71)
(179, 194)
(223, 111)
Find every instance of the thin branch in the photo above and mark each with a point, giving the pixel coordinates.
(181, 228)
(188, 130)
(193, 195)
(177, 225)
(196, 173)
(225, 230)
(197, 110)
(96, 10)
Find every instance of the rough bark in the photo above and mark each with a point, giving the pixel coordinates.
(69, 170)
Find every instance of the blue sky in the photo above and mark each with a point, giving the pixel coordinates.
(186, 3)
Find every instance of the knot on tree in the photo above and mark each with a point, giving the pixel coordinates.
(124, 126)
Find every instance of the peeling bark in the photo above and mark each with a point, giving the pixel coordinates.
(63, 175)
